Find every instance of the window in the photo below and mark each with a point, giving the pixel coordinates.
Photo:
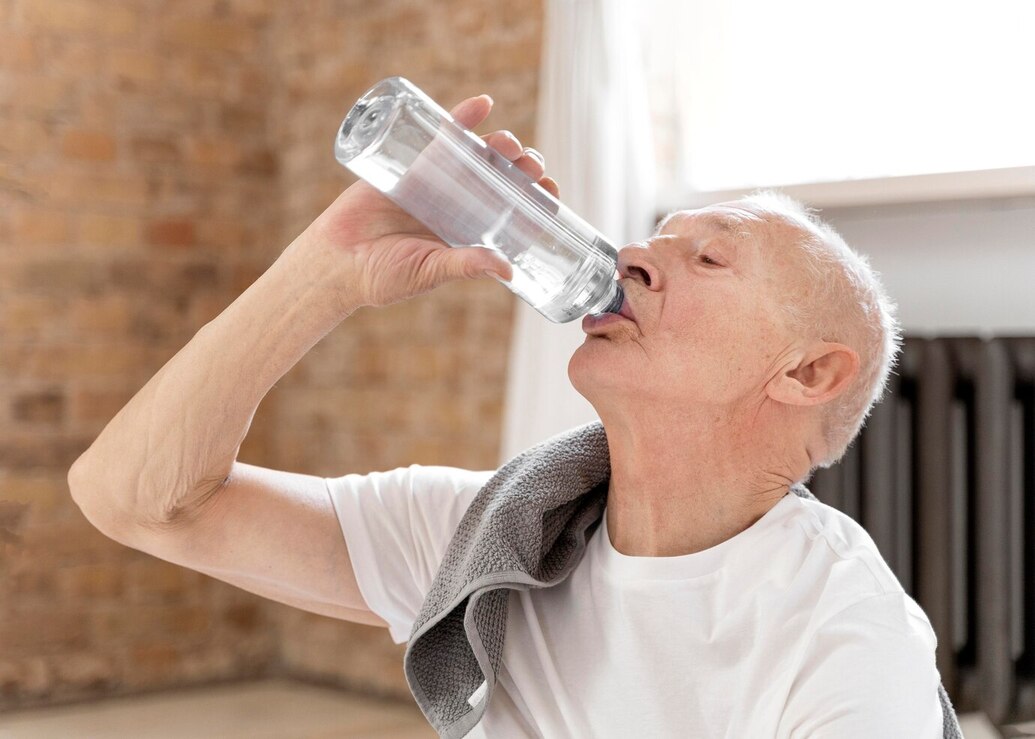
(753, 93)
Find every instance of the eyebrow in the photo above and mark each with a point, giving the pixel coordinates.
(730, 225)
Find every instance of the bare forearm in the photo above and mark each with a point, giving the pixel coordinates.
(178, 437)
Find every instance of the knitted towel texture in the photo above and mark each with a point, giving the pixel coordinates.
(526, 528)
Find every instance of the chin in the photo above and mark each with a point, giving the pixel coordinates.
(592, 367)
(577, 367)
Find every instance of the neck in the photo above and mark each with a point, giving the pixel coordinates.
(682, 487)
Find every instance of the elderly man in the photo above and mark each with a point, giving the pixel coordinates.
(711, 603)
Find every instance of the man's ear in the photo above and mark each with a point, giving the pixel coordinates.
(823, 372)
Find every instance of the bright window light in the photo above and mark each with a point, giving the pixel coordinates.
(752, 93)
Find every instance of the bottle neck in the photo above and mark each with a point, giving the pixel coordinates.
(611, 301)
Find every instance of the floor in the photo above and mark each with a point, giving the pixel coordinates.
(271, 709)
(264, 710)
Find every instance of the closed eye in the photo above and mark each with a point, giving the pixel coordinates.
(708, 260)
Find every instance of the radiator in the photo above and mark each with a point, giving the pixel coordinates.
(943, 479)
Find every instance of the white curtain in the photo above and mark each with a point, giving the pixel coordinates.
(594, 129)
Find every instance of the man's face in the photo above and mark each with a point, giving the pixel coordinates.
(706, 332)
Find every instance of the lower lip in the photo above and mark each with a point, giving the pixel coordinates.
(590, 321)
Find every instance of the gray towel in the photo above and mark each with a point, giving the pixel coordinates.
(526, 528)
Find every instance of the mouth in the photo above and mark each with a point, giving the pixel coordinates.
(595, 323)
(626, 310)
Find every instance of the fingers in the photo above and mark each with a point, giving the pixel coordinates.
(505, 143)
(527, 159)
(472, 111)
(531, 163)
(470, 263)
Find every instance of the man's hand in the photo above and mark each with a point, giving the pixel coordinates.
(384, 255)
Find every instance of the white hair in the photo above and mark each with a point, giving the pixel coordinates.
(841, 300)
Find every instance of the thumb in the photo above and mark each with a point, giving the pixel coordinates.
(472, 262)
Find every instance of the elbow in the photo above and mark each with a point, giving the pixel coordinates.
(87, 490)
(118, 509)
(78, 479)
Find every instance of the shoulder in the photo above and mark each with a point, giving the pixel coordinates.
(850, 575)
(867, 666)
(843, 561)
(893, 619)
(869, 670)
(421, 497)
(397, 524)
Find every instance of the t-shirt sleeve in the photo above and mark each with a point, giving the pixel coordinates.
(397, 525)
(869, 671)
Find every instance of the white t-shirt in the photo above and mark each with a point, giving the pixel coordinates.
(793, 628)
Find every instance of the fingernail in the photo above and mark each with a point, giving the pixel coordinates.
(536, 155)
(487, 97)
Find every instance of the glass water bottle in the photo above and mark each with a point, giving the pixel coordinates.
(404, 144)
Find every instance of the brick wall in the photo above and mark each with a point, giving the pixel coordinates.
(137, 193)
(416, 382)
(155, 157)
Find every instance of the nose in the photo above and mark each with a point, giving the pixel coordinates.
(634, 261)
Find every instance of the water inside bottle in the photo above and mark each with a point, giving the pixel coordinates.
(557, 270)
